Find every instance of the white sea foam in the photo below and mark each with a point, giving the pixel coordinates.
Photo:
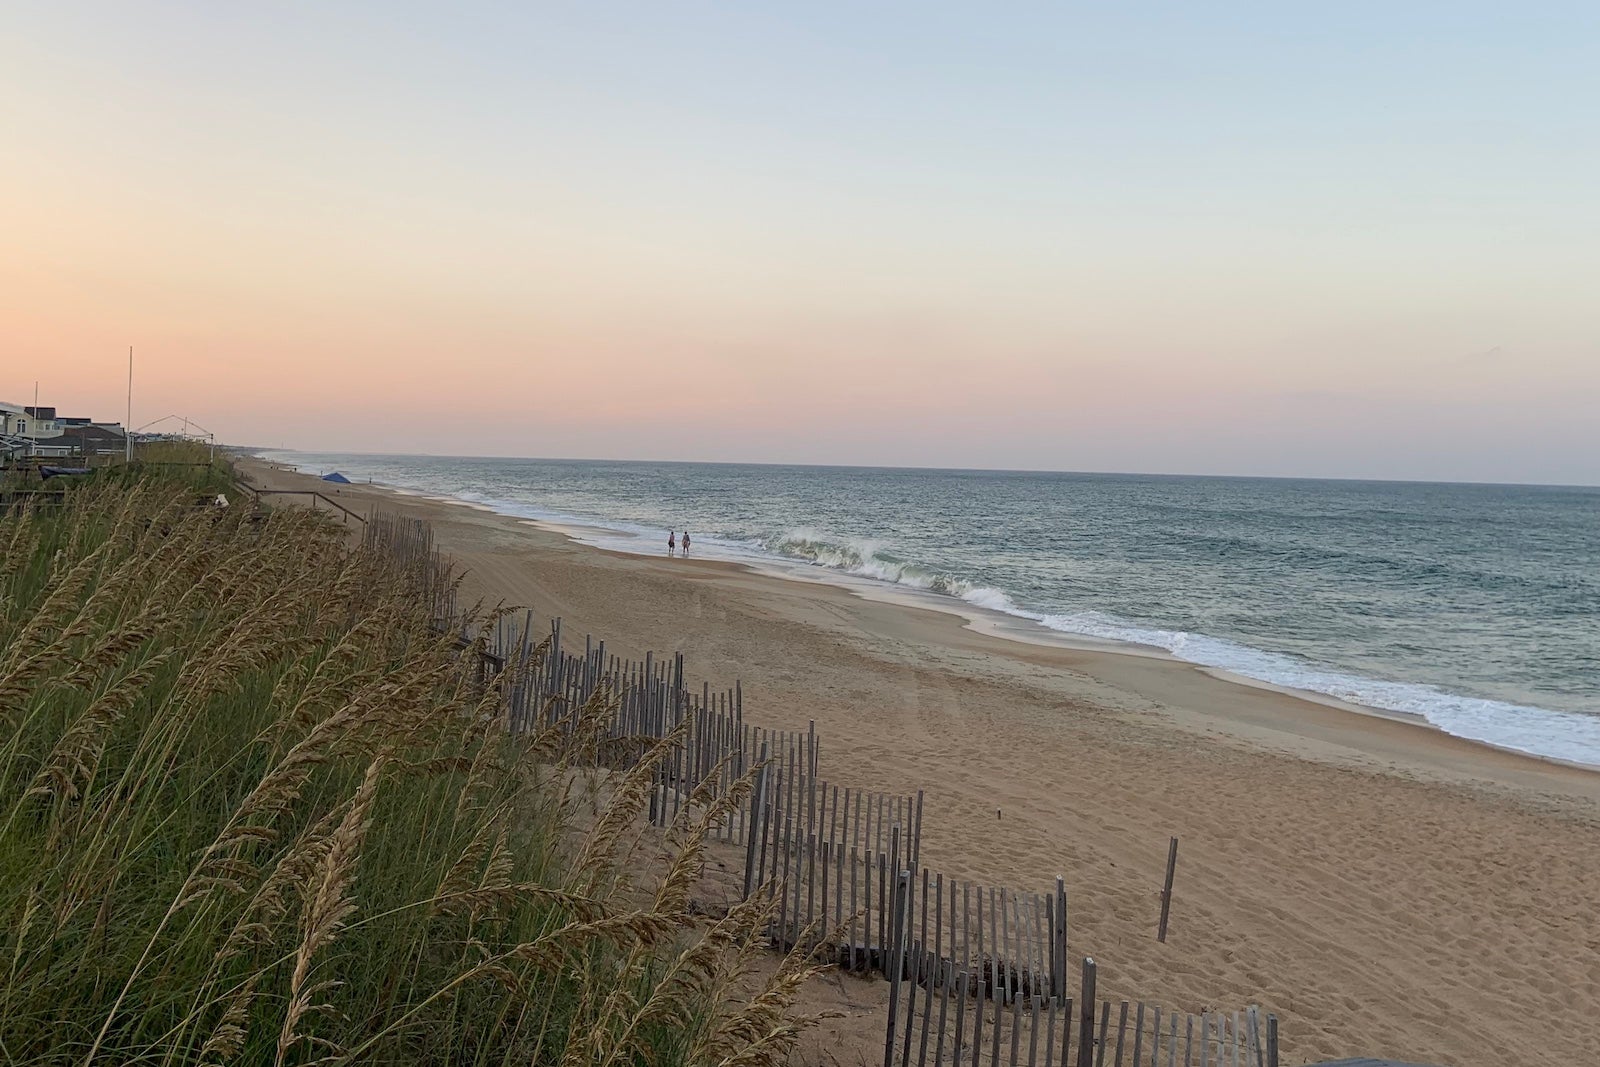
(1524, 728)
(993, 599)
(1538, 731)
(867, 558)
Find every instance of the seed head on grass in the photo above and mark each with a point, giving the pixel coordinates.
(327, 909)
(262, 809)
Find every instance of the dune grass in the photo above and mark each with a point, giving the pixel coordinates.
(254, 809)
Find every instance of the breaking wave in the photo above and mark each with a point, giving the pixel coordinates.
(872, 559)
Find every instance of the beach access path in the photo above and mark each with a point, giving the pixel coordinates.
(1385, 888)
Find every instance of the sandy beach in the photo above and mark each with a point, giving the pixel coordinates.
(1382, 886)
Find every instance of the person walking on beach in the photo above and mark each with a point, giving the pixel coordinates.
(672, 543)
(686, 542)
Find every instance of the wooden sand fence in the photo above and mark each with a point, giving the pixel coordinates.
(978, 974)
(955, 1001)
(828, 852)
(409, 544)
(646, 701)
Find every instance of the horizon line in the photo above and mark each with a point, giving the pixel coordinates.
(940, 469)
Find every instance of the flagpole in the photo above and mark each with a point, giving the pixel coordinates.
(127, 429)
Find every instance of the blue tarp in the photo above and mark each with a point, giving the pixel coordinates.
(51, 472)
(337, 478)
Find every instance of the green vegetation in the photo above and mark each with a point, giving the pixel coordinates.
(175, 463)
(254, 809)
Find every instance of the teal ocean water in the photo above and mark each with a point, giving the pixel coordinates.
(1476, 607)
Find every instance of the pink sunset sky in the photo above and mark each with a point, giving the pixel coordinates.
(816, 233)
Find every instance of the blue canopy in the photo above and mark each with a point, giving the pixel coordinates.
(336, 477)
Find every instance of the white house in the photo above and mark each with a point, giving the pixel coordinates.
(38, 426)
(37, 423)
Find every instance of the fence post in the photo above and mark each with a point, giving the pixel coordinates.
(897, 953)
(1272, 1040)
(892, 943)
(555, 654)
(916, 845)
(1166, 890)
(677, 688)
(1058, 943)
(1086, 1016)
(758, 803)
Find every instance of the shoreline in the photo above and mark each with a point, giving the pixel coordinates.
(974, 618)
(977, 618)
(1384, 888)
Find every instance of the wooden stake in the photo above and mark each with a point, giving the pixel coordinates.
(1008, 951)
(1086, 1010)
(978, 980)
(1066, 1031)
(1016, 1029)
(999, 1002)
(1166, 890)
(966, 967)
(854, 911)
(939, 961)
(1060, 937)
(1050, 1036)
(894, 990)
(757, 803)
(923, 973)
(961, 1020)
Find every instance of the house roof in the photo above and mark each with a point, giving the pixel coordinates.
(41, 412)
(92, 433)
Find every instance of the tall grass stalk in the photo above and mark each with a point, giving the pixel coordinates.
(255, 809)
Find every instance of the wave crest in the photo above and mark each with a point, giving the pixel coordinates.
(864, 557)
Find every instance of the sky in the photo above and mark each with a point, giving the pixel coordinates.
(1353, 240)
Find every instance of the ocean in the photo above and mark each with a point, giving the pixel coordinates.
(1475, 607)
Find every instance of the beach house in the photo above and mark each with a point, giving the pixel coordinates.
(36, 431)
(94, 439)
